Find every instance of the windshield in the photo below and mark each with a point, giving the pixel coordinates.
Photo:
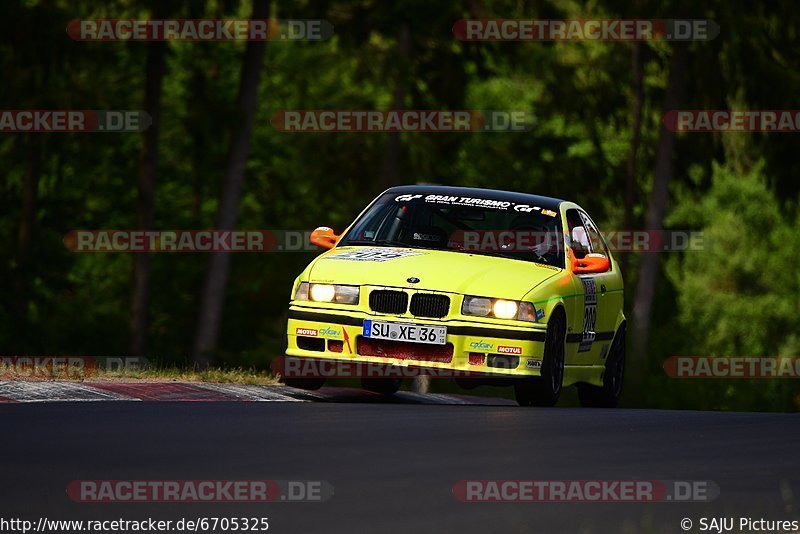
(461, 224)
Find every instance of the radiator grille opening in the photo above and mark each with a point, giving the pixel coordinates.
(430, 305)
(383, 301)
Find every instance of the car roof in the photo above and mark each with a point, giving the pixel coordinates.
(492, 194)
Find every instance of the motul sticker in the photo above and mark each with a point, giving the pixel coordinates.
(311, 332)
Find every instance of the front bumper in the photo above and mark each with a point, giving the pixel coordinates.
(473, 348)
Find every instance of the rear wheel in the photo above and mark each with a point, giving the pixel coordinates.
(384, 386)
(607, 395)
(545, 390)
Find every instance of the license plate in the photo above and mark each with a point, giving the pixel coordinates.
(413, 333)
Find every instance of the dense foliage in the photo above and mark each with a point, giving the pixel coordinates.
(740, 295)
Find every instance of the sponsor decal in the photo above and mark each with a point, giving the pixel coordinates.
(374, 254)
(526, 208)
(540, 313)
(406, 198)
(329, 332)
(456, 200)
(468, 201)
(418, 236)
(509, 350)
(311, 332)
(533, 364)
(589, 314)
(481, 345)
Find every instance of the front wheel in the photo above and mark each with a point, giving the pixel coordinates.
(545, 390)
(607, 395)
(304, 383)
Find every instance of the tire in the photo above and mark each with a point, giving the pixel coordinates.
(545, 390)
(607, 395)
(467, 383)
(311, 384)
(384, 386)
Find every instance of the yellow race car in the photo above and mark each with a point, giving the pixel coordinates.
(489, 287)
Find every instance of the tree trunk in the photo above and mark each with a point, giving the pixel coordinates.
(636, 131)
(30, 195)
(213, 296)
(657, 207)
(148, 172)
(391, 162)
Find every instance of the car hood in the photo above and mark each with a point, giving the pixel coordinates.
(437, 270)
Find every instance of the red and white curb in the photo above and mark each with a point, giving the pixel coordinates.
(15, 391)
(46, 391)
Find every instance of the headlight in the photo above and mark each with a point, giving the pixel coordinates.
(322, 292)
(504, 309)
(499, 308)
(327, 293)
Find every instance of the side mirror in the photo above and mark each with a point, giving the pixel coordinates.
(592, 263)
(324, 237)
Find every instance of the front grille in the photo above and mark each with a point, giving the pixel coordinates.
(403, 350)
(429, 305)
(395, 302)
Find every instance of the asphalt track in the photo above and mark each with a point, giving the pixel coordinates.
(393, 464)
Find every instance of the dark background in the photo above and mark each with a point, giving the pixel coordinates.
(597, 137)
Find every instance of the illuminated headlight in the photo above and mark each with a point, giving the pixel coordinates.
(499, 308)
(504, 309)
(327, 293)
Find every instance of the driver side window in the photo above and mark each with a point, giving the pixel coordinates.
(585, 238)
(579, 238)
